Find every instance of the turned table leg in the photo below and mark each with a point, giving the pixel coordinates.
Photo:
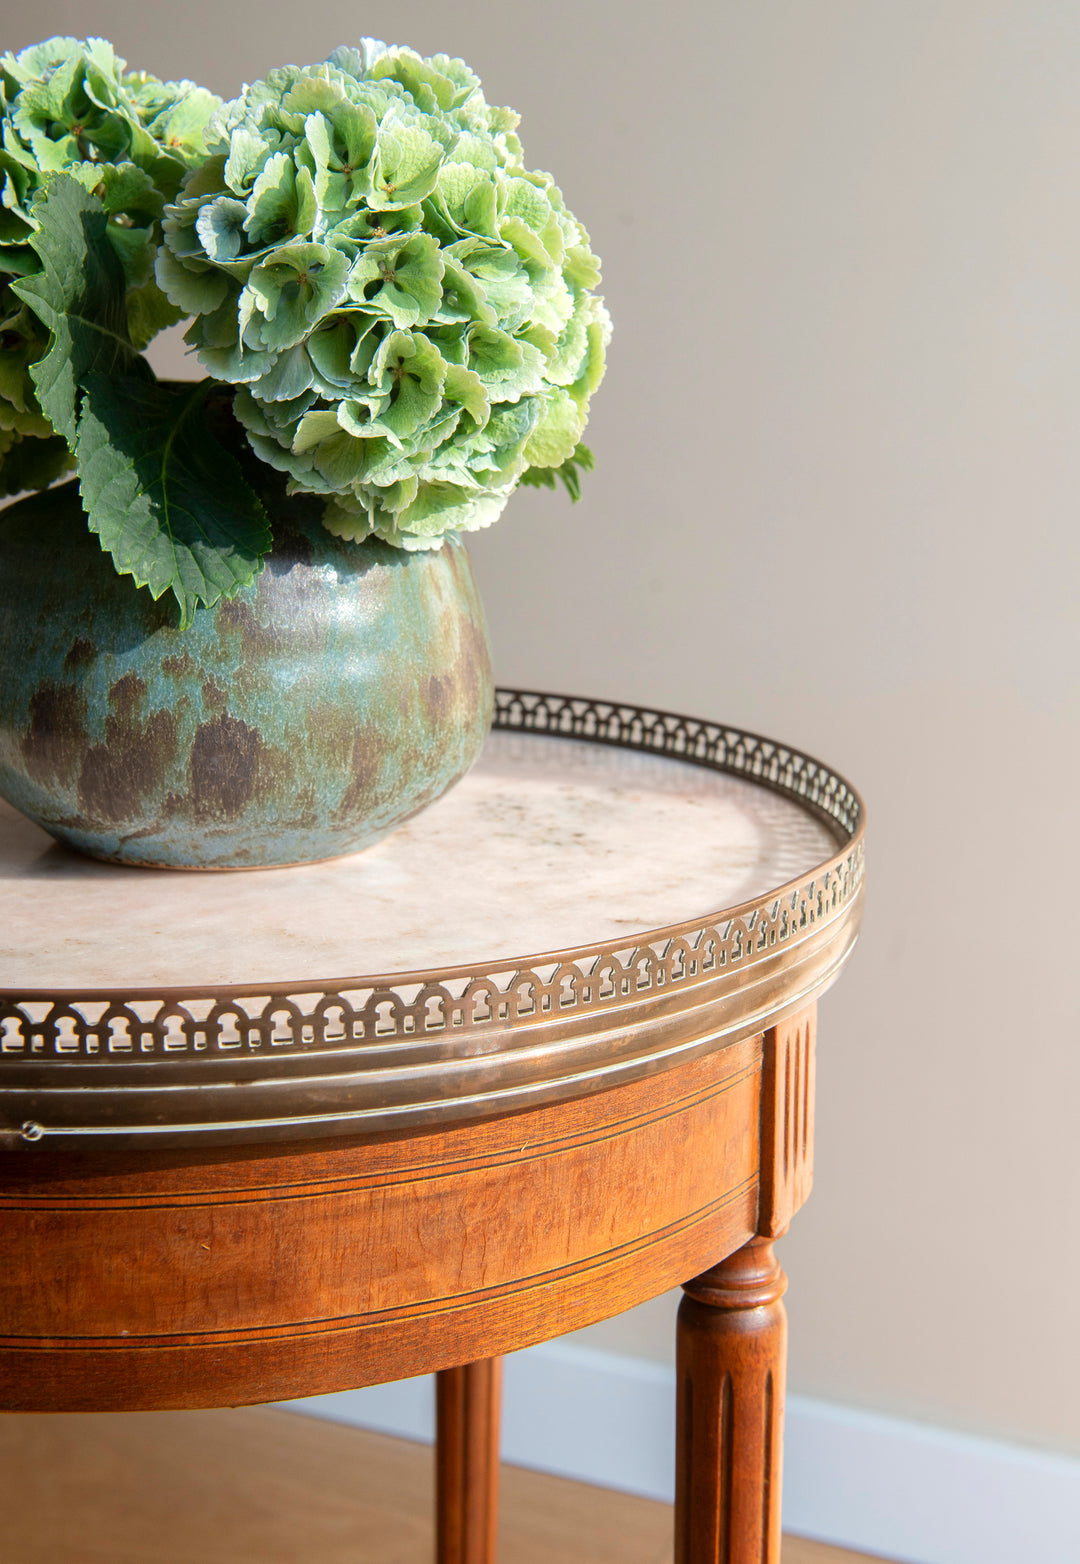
(732, 1339)
(467, 1462)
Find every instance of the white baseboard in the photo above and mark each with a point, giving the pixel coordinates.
(857, 1479)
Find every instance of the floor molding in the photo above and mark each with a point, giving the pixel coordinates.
(856, 1479)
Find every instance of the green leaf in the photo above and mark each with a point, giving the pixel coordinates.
(30, 463)
(148, 312)
(79, 296)
(567, 473)
(169, 503)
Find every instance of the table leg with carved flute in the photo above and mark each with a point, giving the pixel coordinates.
(732, 1341)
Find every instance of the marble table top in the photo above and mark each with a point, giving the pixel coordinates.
(547, 844)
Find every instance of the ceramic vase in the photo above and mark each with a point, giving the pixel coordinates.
(344, 690)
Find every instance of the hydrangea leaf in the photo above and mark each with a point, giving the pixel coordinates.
(148, 312)
(30, 462)
(568, 473)
(122, 187)
(135, 250)
(23, 339)
(167, 501)
(79, 296)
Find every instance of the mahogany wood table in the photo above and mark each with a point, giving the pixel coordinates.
(564, 1060)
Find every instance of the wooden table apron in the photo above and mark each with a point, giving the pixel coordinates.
(656, 1119)
(147, 1279)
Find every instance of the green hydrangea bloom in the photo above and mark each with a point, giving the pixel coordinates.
(71, 106)
(408, 311)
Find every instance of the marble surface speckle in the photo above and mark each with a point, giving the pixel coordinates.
(545, 845)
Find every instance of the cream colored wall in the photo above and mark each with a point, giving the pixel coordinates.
(837, 498)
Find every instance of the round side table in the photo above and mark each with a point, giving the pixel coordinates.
(564, 1061)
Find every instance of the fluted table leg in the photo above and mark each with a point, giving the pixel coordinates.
(467, 1462)
(732, 1342)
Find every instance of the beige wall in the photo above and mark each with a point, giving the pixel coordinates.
(837, 499)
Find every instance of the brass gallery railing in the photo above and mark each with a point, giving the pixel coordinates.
(145, 1031)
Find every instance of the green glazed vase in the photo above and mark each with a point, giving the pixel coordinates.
(347, 688)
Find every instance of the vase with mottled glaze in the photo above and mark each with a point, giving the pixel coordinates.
(342, 691)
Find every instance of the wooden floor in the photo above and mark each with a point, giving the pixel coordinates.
(259, 1486)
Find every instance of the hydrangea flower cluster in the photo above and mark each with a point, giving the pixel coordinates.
(393, 311)
(70, 106)
(408, 311)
